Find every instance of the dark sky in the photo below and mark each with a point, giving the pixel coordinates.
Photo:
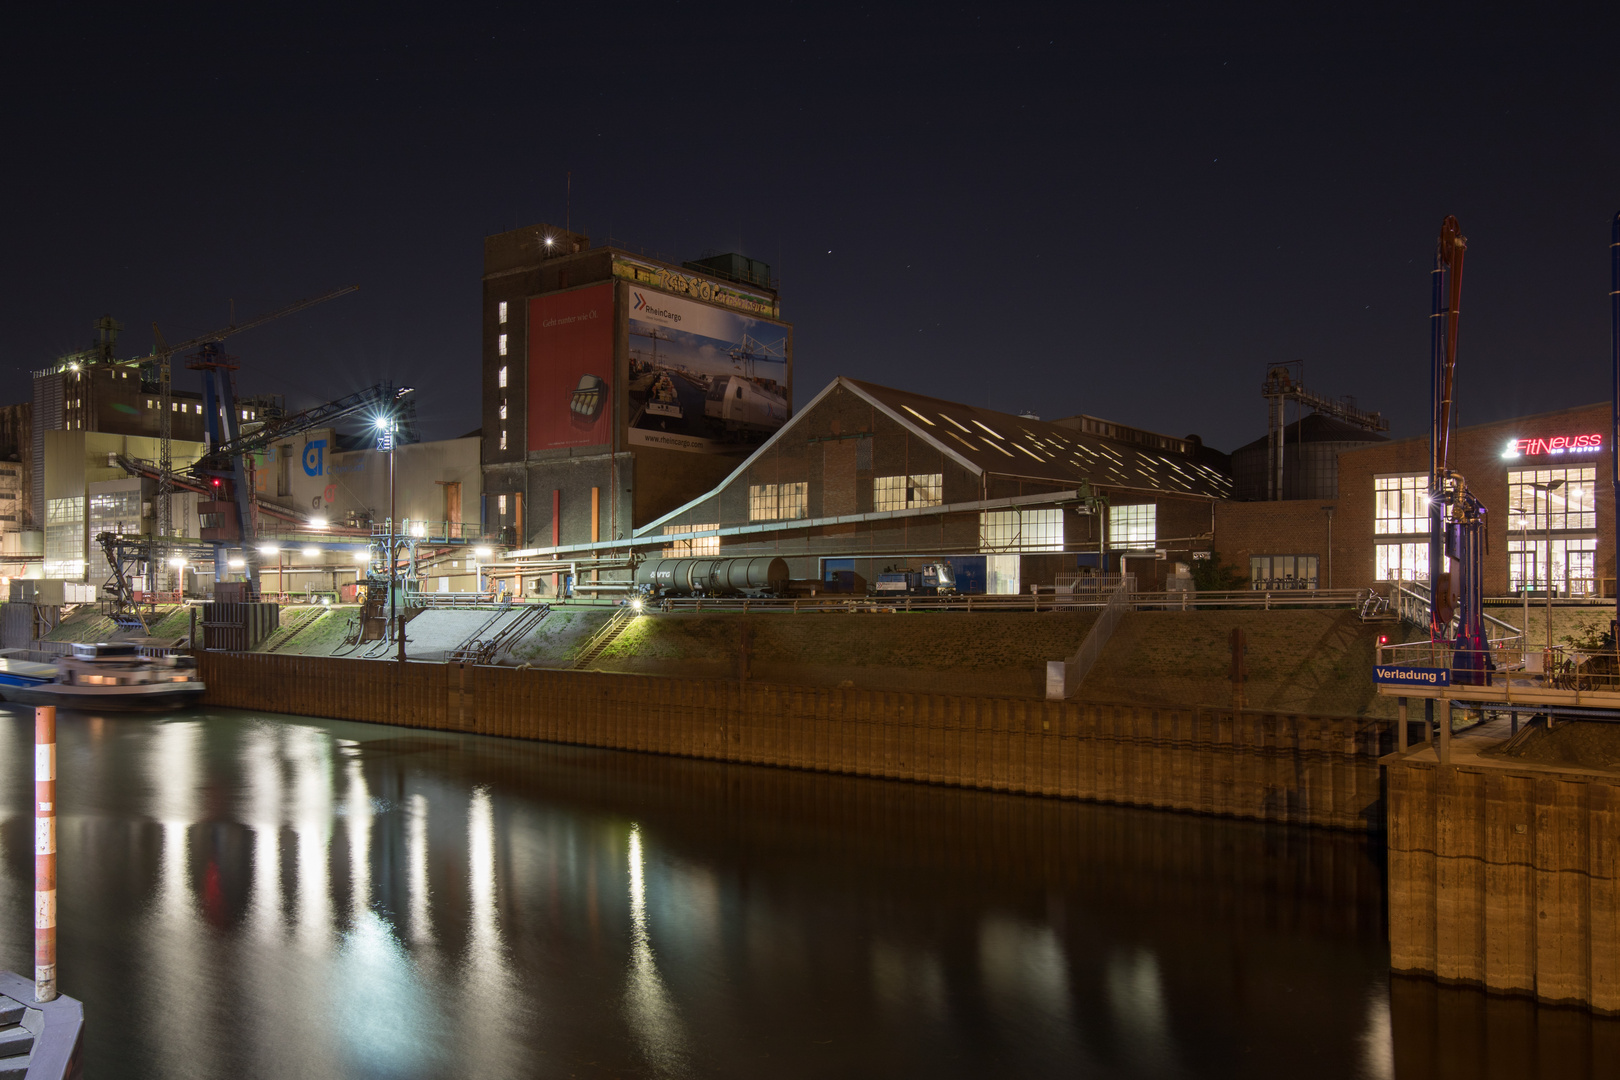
(1125, 210)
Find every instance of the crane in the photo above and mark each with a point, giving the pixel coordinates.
(162, 351)
(1456, 517)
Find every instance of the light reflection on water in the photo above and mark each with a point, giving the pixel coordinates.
(248, 896)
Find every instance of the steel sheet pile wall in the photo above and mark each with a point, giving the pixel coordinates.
(1302, 769)
(1505, 878)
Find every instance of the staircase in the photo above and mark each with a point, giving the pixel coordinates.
(604, 637)
(16, 1041)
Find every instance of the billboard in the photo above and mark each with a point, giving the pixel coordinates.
(571, 368)
(702, 378)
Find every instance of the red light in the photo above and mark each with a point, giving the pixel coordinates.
(216, 481)
(1383, 639)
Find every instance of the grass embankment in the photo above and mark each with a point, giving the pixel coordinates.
(1300, 661)
(988, 653)
(560, 636)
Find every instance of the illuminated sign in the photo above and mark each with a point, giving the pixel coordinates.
(728, 295)
(1559, 444)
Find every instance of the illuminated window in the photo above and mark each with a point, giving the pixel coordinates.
(1401, 562)
(500, 506)
(702, 545)
(199, 410)
(1573, 565)
(502, 310)
(904, 492)
(1021, 530)
(1282, 571)
(1134, 526)
(503, 447)
(503, 410)
(777, 502)
(1400, 505)
(1571, 505)
(64, 538)
(502, 379)
(501, 344)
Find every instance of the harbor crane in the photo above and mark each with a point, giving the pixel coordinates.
(208, 344)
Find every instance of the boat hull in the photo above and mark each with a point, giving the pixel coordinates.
(140, 698)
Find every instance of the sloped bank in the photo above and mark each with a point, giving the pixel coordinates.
(1310, 770)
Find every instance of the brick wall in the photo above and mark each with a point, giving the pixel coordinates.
(1477, 454)
(1299, 527)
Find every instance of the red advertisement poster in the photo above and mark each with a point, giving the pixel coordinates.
(570, 368)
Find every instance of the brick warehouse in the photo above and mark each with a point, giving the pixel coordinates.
(866, 477)
(1379, 533)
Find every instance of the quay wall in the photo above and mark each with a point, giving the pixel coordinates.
(1505, 878)
(1310, 770)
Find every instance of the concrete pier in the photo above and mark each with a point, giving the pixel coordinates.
(1502, 874)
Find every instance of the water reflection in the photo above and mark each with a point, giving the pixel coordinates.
(653, 1018)
(257, 896)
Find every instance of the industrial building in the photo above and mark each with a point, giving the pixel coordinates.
(867, 478)
(617, 385)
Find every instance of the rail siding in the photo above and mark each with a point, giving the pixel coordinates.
(1310, 770)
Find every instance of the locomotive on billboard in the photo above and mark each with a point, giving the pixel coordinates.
(737, 404)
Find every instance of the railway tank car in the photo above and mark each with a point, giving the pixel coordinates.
(713, 577)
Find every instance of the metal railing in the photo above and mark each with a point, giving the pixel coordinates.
(1510, 663)
(443, 531)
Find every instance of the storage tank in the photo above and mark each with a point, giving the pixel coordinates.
(714, 577)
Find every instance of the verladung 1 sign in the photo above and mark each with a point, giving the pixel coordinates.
(1397, 675)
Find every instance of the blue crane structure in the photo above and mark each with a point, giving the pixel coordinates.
(1456, 518)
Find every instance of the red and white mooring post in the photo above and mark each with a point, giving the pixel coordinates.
(45, 853)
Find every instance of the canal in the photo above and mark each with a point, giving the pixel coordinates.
(254, 895)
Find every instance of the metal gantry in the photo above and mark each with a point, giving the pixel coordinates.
(1285, 382)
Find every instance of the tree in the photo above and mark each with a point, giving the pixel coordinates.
(1211, 575)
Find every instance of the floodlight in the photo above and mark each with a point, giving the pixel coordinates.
(362, 555)
(177, 561)
(317, 523)
(236, 564)
(484, 552)
(311, 552)
(268, 549)
(635, 605)
(419, 530)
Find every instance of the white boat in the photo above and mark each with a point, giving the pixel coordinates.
(105, 676)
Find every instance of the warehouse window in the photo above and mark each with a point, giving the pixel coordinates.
(502, 309)
(1401, 562)
(501, 381)
(905, 492)
(703, 545)
(503, 443)
(777, 502)
(1572, 505)
(1021, 530)
(64, 538)
(503, 410)
(1133, 526)
(501, 344)
(1400, 505)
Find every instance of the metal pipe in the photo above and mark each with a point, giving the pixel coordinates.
(45, 853)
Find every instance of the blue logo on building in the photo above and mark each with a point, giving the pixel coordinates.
(314, 457)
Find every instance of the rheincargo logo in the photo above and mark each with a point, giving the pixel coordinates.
(1389, 673)
(642, 305)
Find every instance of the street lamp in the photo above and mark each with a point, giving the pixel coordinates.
(385, 441)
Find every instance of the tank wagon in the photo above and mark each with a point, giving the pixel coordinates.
(713, 577)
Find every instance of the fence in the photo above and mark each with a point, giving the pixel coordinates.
(1063, 677)
(1512, 664)
(1304, 769)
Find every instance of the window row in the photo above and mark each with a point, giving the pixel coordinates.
(906, 492)
(778, 502)
(1282, 572)
(702, 545)
(1560, 499)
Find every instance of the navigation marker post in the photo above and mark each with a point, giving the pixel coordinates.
(45, 853)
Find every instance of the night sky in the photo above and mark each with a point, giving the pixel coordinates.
(1124, 210)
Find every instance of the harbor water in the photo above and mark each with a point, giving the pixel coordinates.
(256, 895)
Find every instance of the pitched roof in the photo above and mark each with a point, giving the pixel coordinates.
(986, 441)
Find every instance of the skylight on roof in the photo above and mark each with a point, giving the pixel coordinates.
(1031, 453)
(992, 431)
(997, 447)
(918, 415)
(952, 420)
